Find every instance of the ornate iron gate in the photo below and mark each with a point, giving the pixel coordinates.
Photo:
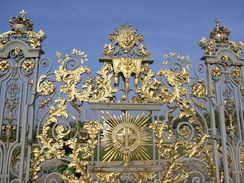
(128, 123)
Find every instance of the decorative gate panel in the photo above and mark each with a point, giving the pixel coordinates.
(20, 50)
(127, 123)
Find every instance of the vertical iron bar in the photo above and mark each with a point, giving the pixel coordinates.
(223, 142)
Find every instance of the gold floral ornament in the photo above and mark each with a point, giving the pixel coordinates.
(28, 65)
(35, 43)
(198, 94)
(4, 65)
(219, 37)
(17, 50)
(198, 90)
(46, 88)
(125, 42)
(236, 72)
(216, 72)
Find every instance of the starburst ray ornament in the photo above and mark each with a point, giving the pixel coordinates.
(126, 136)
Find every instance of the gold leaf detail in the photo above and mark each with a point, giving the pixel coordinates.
(58, 54)
(28, 65)
(4, 65)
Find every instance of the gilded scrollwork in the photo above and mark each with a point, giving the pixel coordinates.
(100, 89)
(37, 159)
(183, 136)
(172, 167)
(141, 177)
(138, 177)
(155, 90)
(242, 159)
(208, 158)
(192, 148)
(71, 77)
(108, 177)
(158, 91)
(150, 87)
(165, 144)
(53, 147)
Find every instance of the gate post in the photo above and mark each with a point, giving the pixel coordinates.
(20, 51)
(225, 93)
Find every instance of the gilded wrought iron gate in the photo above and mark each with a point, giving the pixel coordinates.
(128, 123)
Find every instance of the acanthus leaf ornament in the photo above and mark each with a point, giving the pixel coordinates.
(53, 147)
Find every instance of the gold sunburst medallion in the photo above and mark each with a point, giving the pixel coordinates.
(126, 136)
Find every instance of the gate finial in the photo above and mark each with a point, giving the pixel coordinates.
(22, 30)
(217, 23)
(219, 38)
(23, 12)
(21, 22)
(220, 32)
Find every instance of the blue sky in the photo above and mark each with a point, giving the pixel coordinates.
(167, 25)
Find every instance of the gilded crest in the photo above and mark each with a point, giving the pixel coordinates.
(126, 40)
